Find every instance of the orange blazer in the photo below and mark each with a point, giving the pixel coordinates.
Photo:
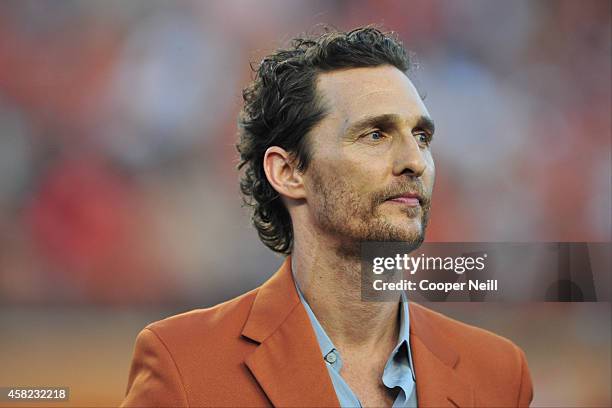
(260, 350)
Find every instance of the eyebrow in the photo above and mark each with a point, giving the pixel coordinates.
(388, 120)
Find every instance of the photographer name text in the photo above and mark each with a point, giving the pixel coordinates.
(425, 285)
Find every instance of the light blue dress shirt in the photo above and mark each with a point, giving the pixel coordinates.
(398, 370)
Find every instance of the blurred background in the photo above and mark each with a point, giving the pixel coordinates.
(119, 200)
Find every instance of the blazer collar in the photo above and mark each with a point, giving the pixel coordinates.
(288, 366)
(274, 301)
(438, 383)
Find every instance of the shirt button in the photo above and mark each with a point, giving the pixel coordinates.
(331, 357)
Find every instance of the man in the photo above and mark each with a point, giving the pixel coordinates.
(335, 144)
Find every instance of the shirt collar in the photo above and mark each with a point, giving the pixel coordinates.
(392, 375)
(403, 337)
(325, 342)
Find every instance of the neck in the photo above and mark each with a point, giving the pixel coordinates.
(330, 280)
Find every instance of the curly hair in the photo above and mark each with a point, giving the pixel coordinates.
(281, 106)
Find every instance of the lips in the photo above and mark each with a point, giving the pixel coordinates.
(409, 199)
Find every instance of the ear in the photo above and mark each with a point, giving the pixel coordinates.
(282, 173)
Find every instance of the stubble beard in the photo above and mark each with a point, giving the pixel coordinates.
(352, 219)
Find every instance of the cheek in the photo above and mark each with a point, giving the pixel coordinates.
(365, 175)
(357, 174)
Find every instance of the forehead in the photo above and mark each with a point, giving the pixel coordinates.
(354, 93)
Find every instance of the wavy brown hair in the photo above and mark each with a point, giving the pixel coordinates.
(281, 106)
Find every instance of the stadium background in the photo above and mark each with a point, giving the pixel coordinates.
(119, 201)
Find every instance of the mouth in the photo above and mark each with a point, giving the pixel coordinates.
(409, 199)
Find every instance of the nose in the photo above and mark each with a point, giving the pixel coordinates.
(409, 158)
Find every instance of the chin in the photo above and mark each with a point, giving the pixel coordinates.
(412, 238)
(411, 232)
(409, 227)
(407, 230)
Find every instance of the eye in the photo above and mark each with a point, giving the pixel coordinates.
(423, 138)
(375, 135)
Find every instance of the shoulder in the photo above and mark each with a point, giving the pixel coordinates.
(495, 363)
(182, 358)
(205, 326)
(462, 336)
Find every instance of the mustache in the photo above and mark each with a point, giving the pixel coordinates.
(401, 188)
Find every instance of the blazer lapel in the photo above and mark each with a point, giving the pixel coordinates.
(287, 364)
(437, 383)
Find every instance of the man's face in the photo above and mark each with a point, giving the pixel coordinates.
(371, 175)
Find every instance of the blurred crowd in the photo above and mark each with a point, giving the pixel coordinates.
(118, 123)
